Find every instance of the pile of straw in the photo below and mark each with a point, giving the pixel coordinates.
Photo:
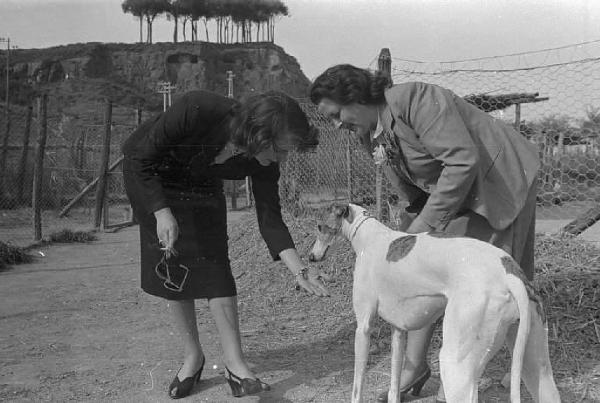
(567, 278)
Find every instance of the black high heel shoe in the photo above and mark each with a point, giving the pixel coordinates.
(416, 385)
(179, 389)
(243, 387)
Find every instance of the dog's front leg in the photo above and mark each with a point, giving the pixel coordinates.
(365, 311)
(398, 351)
(362, 342)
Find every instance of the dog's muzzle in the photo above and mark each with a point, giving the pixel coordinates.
(316, 257)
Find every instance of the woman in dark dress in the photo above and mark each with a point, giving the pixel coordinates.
(173, 170)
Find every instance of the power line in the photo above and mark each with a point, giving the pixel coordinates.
(500, 56)
(399, 70)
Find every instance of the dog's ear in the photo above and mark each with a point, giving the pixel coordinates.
(349, 215)
(340, 210)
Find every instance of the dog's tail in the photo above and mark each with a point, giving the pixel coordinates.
(519, 293)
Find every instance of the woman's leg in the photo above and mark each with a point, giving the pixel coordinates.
(415, 362)
(225, 313)
(184, 317)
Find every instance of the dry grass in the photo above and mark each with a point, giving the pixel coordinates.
(568, 280)
(10, 255)
(69, 236)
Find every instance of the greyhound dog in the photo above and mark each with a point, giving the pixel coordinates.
(411, 280)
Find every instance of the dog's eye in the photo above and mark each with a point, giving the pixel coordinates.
(319, 227)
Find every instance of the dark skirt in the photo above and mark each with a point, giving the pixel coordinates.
(201, 268)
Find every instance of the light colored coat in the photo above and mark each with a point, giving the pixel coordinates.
(465, 159)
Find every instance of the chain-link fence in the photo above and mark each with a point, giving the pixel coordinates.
(71, 164)
(556, 106)
(73, 156)
(338, 170)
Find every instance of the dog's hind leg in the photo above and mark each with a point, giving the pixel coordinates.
(537, 370)
(470, 326)
(365, 309)
(398, 352)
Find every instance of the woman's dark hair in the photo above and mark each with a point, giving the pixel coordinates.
(346, 84)
(272, 118)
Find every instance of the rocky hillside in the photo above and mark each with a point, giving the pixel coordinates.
(80, 74)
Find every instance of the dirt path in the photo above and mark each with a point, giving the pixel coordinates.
(74, 326)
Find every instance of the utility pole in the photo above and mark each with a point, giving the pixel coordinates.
(230, 77)
(165, 88)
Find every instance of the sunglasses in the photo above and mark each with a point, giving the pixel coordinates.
(173, 275)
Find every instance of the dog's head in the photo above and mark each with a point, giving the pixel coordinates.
(330, 226)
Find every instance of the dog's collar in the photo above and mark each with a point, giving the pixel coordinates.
(365, 218)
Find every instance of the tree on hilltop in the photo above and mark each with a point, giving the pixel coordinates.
(178, 9)
(148, 9)
(135, 8)
(231, 17)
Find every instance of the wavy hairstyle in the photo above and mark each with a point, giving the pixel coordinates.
(272, 118)
(346, 84)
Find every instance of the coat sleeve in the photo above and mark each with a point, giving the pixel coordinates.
(431, 112)
(149, 144)
(265, 188)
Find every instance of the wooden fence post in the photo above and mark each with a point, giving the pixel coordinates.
(233, 192)
(518, 117)
(138, 116)
(80, 152)
(349, 168)
(38, 168)
(5, 148)
(24, 154)
(103, 169)
(384, 64)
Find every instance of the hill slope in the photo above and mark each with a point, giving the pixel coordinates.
(79, 74)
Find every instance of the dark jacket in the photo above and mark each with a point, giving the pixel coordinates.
(174, 151)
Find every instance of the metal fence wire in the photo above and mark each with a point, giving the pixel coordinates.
(556, 106)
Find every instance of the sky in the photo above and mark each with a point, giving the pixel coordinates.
(322, 33)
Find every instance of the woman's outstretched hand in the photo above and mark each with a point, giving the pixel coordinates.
(311, 280)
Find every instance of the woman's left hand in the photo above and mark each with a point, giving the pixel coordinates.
(418, 226)
(310, 279)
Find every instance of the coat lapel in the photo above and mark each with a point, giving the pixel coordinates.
(391, 141)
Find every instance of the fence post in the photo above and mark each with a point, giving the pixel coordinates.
(384, 64)
(23, 165)
(80, 153)
(38, 168)
(138, 116)
(103, 169)
(518, 117)
(349, 168)
(5, 147)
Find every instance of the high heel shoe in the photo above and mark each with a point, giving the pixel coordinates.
(243, 387)
(179, 389)
(416, 385)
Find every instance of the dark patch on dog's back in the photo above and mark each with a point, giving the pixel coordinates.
(440, 234)
(400, 247)
(513, 268)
